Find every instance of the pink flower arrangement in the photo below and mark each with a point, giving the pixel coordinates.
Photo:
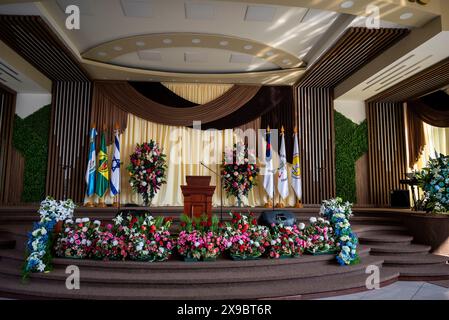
(108, 246)
(321, 236)
(75, 240)
(245, 239)
(200, 238)
(288, 241)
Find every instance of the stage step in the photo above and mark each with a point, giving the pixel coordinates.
(394, 249)
(6, 243)
(308, 287)
(384, 238)
(421, 273)
(180, 278)
(365, 228)
(410, 260)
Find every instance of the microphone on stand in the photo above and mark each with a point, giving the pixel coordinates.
(221, 189)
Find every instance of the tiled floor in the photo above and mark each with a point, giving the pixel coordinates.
(401, 291)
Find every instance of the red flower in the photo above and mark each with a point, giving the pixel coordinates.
(153, 228)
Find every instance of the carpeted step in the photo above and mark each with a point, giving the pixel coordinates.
(168, 266)
(421, 273)
(385, 238)
(181, 278)
(410, 260)
(6, 243)
(394, 249)
(369, 228)
(325, 286)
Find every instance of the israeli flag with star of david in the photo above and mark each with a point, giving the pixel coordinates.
(115, 167)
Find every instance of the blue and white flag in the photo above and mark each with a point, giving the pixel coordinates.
(91, 165)
(115, 167)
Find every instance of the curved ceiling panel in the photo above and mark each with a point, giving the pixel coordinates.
(144, 44)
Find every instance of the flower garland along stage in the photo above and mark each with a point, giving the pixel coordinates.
(143, 237)
(147, 170)
(40, 240)
(239, 171)
(434, 180)
(338, 214)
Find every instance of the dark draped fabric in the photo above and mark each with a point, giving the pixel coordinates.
(121, 95)
(433, 109)
(268, 98)
(415, 136)
(159, 93)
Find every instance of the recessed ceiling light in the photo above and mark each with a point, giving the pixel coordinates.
(196, 40)
(248, 47)
(118, 48)
(286, 61)
(102, 54)
(269, 53)
(406, 16)
(167, 41)
(347, 4)
(224, 43)
(140, 43)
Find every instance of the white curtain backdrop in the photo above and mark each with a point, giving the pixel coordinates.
(185, 149)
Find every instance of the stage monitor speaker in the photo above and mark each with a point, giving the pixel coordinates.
(400, 199)
(267, 218)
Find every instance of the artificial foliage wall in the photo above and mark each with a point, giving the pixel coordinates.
(351, 142)
(31, 140)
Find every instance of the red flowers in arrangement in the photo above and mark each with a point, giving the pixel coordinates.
(147, 170)
(239, 171)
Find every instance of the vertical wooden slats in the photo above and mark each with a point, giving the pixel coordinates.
(7, 111)
(387, 152)
(68, 140)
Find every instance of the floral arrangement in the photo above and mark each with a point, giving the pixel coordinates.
(75, 241)
(321, 236)
(200, 238)
(239, 171)
(434, 180)
(108, 246)
(147, 170)
(245, 238)
(40, 240)
(147, 238)
(287, 241)
(338, 213)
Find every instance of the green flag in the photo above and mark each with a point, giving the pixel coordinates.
(102, 171)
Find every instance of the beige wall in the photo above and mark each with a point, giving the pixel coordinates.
(351, 109)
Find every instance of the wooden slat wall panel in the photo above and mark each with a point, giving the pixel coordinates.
(317, 145)
(17, 169)
(69, 140)
(7, 111)
(387, 150)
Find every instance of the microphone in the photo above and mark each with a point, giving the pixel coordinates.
(221, 189)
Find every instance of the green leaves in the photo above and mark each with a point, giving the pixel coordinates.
(351, 142)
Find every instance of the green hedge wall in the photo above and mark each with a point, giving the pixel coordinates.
(351, 142)
(30, 138)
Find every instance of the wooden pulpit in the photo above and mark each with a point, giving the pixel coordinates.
(198, 196)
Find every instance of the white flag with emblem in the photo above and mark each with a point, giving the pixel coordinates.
(282, 172)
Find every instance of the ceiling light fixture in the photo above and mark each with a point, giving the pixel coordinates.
(140, 43)
(406, 16)
(224, 43)
(196, 40)
(347, 4)
(167, 41)
(118, 48)
(247, 47)
(269, 53)
(102, 54)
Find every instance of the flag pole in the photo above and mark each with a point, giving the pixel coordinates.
(298, 203)
(117, 196)
(101, 202)
(270, 203)
(90, 203)
(280, 205)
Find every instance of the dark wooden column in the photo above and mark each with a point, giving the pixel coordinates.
(387, 150)
(7, 111)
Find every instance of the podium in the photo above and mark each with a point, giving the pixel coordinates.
(198, 196)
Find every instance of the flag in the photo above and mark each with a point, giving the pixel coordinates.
(268, 178)
(296, 169)
(91, 164)
(282, 172)
(115, 167)
(102, 171)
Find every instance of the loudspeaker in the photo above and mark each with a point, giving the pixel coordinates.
(400, 199)
(267, 218)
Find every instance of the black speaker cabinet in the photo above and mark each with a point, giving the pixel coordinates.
(400, 199)
(267, 218)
